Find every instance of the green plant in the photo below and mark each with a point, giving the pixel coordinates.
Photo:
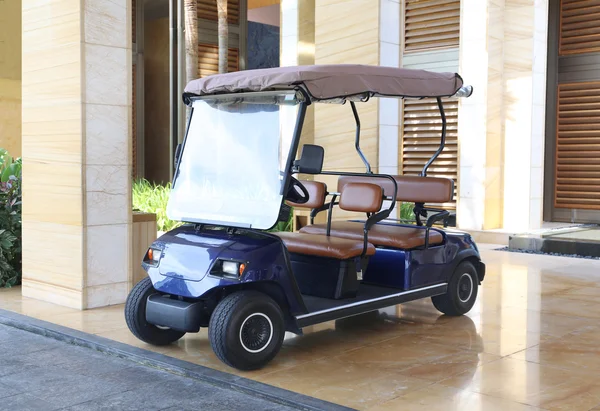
(285, 225)
(10, 219)
(8, 275)
(406, 212)
(153, 198)
(9, 167)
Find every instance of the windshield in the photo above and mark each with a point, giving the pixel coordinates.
(234, 158)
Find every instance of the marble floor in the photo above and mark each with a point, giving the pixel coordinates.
(531, 342)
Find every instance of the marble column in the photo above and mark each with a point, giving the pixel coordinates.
(526, 27)
(503, 55)
(77, 151)
(473, 114)
(298, 47)
(389, 108)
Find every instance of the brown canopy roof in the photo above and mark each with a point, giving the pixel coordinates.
(333, 81)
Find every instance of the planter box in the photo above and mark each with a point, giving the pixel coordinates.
(143, 234)
(301, 218)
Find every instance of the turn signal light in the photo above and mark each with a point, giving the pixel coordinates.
(242, 268)
(152, 256)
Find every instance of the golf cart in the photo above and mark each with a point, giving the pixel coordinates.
(234, 181)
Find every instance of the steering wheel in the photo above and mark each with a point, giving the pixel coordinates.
(297, 193)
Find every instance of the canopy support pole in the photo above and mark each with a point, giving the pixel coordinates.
(357, 140)
(442, 142)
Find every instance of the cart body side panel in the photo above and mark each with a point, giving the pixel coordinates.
(410, 269)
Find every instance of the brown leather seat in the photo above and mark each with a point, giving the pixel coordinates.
(405, 238)
(317, 191)
(362, 197)
(411, 189)
(324, 246)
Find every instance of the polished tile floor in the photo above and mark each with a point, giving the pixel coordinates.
(531, 342)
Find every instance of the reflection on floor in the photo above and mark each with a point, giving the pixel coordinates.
(531, 342)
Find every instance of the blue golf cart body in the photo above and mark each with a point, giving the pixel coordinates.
(225, 268)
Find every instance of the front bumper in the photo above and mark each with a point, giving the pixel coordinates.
(175, 314)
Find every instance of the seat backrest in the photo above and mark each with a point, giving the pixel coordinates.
(411, 189)
(361, 197)
(317, 192)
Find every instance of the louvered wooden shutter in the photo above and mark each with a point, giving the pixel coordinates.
(422, 128)
(431, 24)
(208, 59)
(579, 26)
(207, 9)
(578, 146)
(133, 21)
(208, 54)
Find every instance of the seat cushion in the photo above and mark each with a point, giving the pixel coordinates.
(404, 238)
(317, 191)
(411, 189)
(323, 245)
(361, 197)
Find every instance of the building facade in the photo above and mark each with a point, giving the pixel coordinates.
(89, 98)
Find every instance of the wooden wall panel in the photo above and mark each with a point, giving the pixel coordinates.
(421, 131)
(579, 26)
(431, 24)
(254, 4)
(156, 97)
(133, 21)
(577, 175)
(346, 32)
(207, 9)
(10, 76)
(143, 234)
(208, 59)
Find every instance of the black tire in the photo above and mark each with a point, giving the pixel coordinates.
(462, 291)
(246, 330)
(135, 316)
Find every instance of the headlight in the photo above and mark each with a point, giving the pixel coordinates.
(231, 267)
(228, 269)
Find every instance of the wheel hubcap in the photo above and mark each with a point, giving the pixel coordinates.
(465, 288)
(256, 332)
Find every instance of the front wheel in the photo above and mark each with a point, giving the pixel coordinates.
(246, 330)
(462, 291)
(135, 316)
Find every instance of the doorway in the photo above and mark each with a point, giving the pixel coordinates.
(572, 156)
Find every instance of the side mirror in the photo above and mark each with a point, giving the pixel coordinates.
(311, 160)
(464, 91)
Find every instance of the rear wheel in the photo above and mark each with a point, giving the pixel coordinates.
(135, 316)
(462, 291)
(246, 330)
